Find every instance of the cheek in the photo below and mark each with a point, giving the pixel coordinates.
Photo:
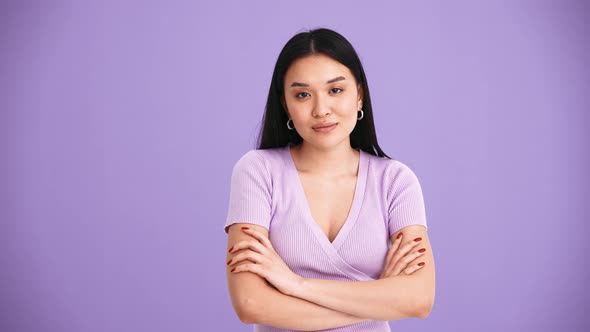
(299, 111)
(347, 106)
(295, 105)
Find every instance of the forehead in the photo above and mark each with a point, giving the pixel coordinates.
(316, 68)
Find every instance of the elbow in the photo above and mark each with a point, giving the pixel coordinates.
(248, 298)
(245, 310)
(424, 312)
(424, 309)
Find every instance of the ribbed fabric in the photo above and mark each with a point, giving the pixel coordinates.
(266, 190)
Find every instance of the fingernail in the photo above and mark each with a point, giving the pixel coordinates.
(245, 228)
(399, 235)
(418, 239)
(232, 270)
(422, 250)
(421, 264)
(230, 249)
(229, 261)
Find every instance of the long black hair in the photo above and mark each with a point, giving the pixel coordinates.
(274, 132)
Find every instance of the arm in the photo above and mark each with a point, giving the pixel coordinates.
(391, 298)
(257, 302)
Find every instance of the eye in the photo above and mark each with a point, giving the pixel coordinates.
(301, 95)
(336, 90)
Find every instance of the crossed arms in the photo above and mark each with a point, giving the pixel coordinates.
(324, 304)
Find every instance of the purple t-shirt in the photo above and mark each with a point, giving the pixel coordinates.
(266, 190)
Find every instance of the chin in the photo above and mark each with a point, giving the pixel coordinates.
(326, 143)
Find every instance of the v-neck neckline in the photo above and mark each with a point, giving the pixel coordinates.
(357, 200)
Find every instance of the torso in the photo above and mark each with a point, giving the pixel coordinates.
(329, 201)
(350, 243)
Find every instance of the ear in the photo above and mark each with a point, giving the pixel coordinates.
(361, 96)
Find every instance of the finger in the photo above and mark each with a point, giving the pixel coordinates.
(406, 260)
(258, 236)
(411, 269)
(246, 255)
(394, 246)
(254, 268)
(388, 260)
(248, 244)
(404, 249)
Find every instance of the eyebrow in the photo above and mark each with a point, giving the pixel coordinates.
(339, 78)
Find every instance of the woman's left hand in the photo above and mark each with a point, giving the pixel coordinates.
(265, 262)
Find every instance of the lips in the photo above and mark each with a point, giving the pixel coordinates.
(324, 125)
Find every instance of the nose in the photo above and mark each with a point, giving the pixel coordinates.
(321, 107)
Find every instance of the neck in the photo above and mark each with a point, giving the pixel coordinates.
(335, 161)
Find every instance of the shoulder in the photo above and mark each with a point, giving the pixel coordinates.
(390, 168)
(394, 174)
(258, 160)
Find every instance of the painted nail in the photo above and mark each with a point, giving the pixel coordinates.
(422, 250)
(232, 270)
(421, 264)
(230, 249)
(229, 261)
(399, 235)
(418, 239)
(245, 228)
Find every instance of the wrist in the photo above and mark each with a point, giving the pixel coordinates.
(300, 288)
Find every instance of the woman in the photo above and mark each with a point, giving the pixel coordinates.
(313, 210)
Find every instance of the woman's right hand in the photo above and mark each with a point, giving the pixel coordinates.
(401, 258)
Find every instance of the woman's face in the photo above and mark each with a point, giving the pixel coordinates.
(320, 91)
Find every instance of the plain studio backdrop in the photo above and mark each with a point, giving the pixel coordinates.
(120, 123)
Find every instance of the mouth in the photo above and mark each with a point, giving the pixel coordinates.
(325, 125)
(325, 128)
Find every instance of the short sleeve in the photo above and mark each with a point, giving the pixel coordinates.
(404, 197)
(250, 192)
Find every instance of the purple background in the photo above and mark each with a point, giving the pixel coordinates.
(120, 123)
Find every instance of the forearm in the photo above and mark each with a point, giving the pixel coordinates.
(255, 301)
(383, 299)
(270, 307)
(279, 310)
